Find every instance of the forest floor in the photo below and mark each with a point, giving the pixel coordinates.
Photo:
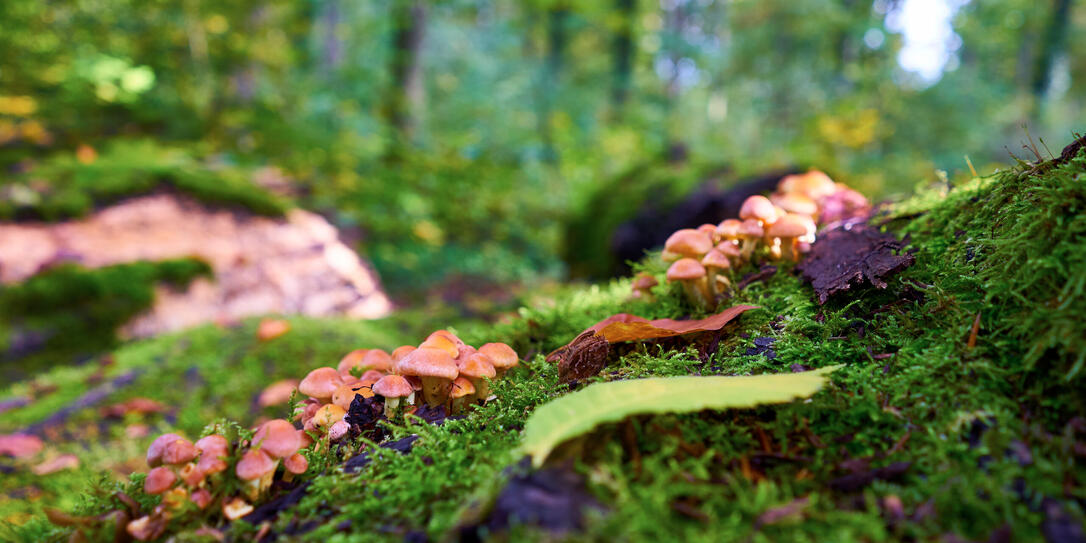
(956, 415)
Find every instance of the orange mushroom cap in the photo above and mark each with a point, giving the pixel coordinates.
(688, 242)
(253, 465)
(159, 480)
(321, 383)
(501, 355)
(278, 438)
(685, 269)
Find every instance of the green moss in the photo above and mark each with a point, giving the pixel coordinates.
(77, 311)
(62, 187)
(912, 391)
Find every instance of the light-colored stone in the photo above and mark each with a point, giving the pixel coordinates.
(294, 265)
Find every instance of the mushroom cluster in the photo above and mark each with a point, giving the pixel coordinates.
(783, 226)
(440, 371)
(198, 474)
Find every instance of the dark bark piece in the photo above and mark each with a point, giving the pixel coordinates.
(581, 358)
(270, 510)
(360, 461)
(843, 258)
(553, 499)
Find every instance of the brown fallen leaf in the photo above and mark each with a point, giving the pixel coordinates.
(62, 462)
(850, 256)
(20, 445)
(587, 354)
(270, 329)
(277, 393)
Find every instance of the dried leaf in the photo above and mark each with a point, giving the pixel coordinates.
(586, 355)
(20, 445)
(600, 403)
(845, 257)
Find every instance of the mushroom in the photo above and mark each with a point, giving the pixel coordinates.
(179, 451)
(278, 438)
(371, 376)
(813, 184)
(147, 527)
(795, 202)
(255, 469)
(728, 230)
(321, 383)
(708, 230)
(338, 430)
(502, 356)
(328, 415)
(159, 480)
(642, 286)
(686, 243)
(759, 208)
(461, 395)
(448, 335)
(401, 352)
(201, 497)
(691, 274)
(443, 343)
(236, 508)
(716, 263)
(436, 368)
(213, 452)
(350, 361)
(158, 447)
(344, 395)
(191, 475)
(295, 464)
(731, 251)
(751, 233)
(478, 368)
(377, 359)
(394, 389)
(787, 231)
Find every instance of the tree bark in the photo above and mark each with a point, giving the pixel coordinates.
(1052, 45)
(623, 53)
(407, 95)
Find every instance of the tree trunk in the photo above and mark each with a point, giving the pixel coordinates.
(557, 15)
(407, 95)
(1052, 45)
(623, 53)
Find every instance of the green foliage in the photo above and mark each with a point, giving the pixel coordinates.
(78, 311)
(578, 413)
(63, 187)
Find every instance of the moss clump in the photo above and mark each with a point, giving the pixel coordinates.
(75, 311)
(62, 187)
(921, 434)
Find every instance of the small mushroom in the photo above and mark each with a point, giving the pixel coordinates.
(395, 390)
(642, 286)
(159, 480)
(716, 266)
(691, 274)
(328, 415)
(255, 469)
(179, 451)
(758, 208)
(277, 393)
(201, 497)
(443, 343)
(795, 202)
(709, 230)
(321, 383)
(687, 242)
(296, 464)
(401, 352)
(338, 430)
(344, 395)
(479, 368)
(147, 527)
(502, 356)
(731, 251)
(814, 184)
(191, 475)
(461, 395)
(728, 230)
(786, 233)
(214, 449)
(350, 361)
(377, 359)
(436, 368)
(278, 438)
(448, 335)
(750, 232)
(158, 447)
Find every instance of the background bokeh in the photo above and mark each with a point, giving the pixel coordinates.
(456, 142)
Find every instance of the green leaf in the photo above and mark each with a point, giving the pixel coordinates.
(601, 403)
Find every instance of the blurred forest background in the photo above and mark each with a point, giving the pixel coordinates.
(494, 142)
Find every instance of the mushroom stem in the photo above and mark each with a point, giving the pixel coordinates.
(788, 248)
(482, 389)
(711, 275)
(748, 247)
(392, 405)
(694, 293)
(435, 390)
